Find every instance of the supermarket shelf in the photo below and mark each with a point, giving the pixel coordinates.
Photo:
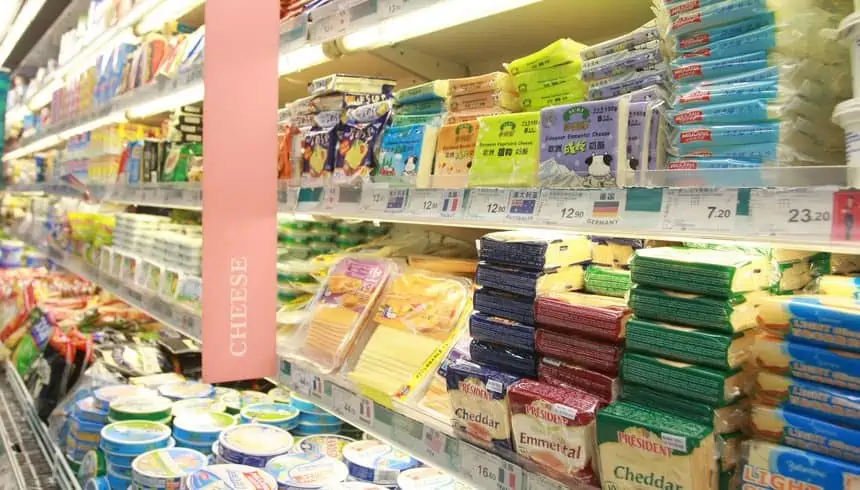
(178, 196)
(422, 439)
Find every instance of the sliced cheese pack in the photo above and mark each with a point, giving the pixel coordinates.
(697, 346)
(560, 52)
(827, 366)
(534, 249)
(724, 419)
(821, 320)
(721, 273)
(479, 397)
(531, 283)
(515, 361)
(841, 286)
(614, 252)
(703, 384)
(506, 151)
(642, 447)
(599, 356)
(593, 316)
(436, 89)
(729, 315)
(802, 431)
(501, 331)
(489, 82)
(818, 400)
(556, 372)
(768, 466)
(607, 281)
(340, 310)
(505, 305)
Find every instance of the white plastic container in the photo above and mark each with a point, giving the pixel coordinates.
(849, 32)
(847, 115)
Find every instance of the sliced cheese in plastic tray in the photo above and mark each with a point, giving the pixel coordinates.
(828, 366)
(514, 361)
(530, 283)
(802, 431)
(587, 314)
(820, 401)
(505, 305)
(730, 417)
(764, 464)
(734, 314)
(534, 249)
(502, 331)
(555, 371)
(821, 320)
(592, 354)
(704, 384)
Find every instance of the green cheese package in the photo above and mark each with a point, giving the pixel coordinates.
(704, 384)
(607, 281)
(180, 159)
(724, 419)
(729, 315)
(506, 152)
(38, 331)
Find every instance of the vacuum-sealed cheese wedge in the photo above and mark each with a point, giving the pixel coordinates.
(703, 271)
(597, 317)
(802, 431)
(479, 397)
(531, 283)
(819, 400)
(730, 315)
(821, 320)
(535, 249)
(768, 466)
(809, 362)
(697, 346)
(724, 419)
(599, 356)
(642, 447)
(703, 384)
(556, 372)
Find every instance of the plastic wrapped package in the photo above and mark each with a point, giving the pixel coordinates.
(534, 249)
(341, 309)
(317, 156)
(746, 111)
(763, 462)
(506, 305)
(593, 316)
(496, 81)
(557, 372)
(614, 252)
(703, 347)
(455, 148)
(838, 286)
(501, 331)
(723, 418)
(471, 116)
(592, 354)
(570, 92)
(625, 42)
(708, 385)
(628, 82)
(530, 283)
(622, 62)
(783, 426)
(607, 281)
(435, 89)
(407, 152)
(480, 400)
(358, 142)
(826, 366)
(820, 401)
(548, 80)
(818, 320)
(435, 400)
(339, 82)
(421, 108)
(515, 361)
(507, 151)
(484, 101)
(734, 314)
(560, 52)
(832, 263)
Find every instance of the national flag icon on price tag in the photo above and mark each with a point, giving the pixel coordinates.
(606, 205)
(508, 478)
(396, 200)
(522, 202)
(451, 202)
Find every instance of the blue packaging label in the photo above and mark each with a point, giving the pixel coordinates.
(817, 400)
(629, 82)
(725, 93)
(501, 331)
(401, 150)
(689, 138)
(768, 466)
(823, 321)
(804, 432)
(685, 71)
(831, 367)
(619, 63)
(505, 305)
(762, 39)
(753, 110)
(705, 37)
(717, 14)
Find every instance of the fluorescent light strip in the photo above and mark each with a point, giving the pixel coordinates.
(164, 13)
(25, 17)
(188, 95)
(300, 59)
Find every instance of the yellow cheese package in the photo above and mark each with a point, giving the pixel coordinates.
(614, 252)
(841, 286)
(340, 310)
(550, 80)
(724, 419)
(506, 151)
(435, 402)
(814, 319)
(809, 362)
(558, 53)
(769, 466)
(416, 316)
(802, 431)
(707, 385)
(484, 100)
(489, 82)
(455, 148)
(791, 276)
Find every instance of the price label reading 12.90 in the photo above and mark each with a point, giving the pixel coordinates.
(487, 204)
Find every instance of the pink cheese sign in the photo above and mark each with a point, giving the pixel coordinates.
(240, 190)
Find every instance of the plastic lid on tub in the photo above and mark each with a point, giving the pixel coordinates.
(204, 421)
(280, 395)
(230, 477)
(107, 394)
(159, 466)
(847, 114)
(256, 440)
(98, 483)
(377, 454)
(135, 432)
(92, 465)
(425, 479)
(306, 470)
(328, 444)
(140, 407)
(196, 405)
(269, 412)
(187, 389)
(354, 485)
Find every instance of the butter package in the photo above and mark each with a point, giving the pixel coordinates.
(614, 252)
(530, 283)
(699, 383)
(820, 320)
(840, 286)
(479, 397)
(626, 42)
(407, 152)
(622, 62)
(556, 372)
(728, 315)
(560, 52)
(703, 347)
(515, 361)
(827, 366)
(339, 82)
(607, 281)
(555, 427)
(455, 148)
(569, 93)
(592, 354)
(501, 331)
(435, 89)
(484, 101)
(584, 145)
(724, 419)
(823, 402)
(548, 79)
(506, 305)
(490, 82)
(641, 447)
(507, 151)
(593, 316)
(704, 271)
(768, 466)
(783, 426)
(534, 249)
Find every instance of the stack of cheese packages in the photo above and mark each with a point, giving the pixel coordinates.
(754, 83)
(683, 403)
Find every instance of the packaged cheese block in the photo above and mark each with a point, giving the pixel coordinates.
(548, 79)
(496, 81)
(827, 263)
(506, 151)
(598, 356)
(642, 447)
(607, 281)
(821, 320)
(827, 366)
(460, 267)
(818, 400)
(416, 315)
(726, 418)
(501, 331)
(435, 89)
(514, 361)
(479, 397)
(484, 100)
(530, 283)
(841, 286)
(505, 305)
(729, 315)
(534, 249)
(339, 82)
(455, 148)
(614, 252)
(560, 52)
(729, 449)
(695, 270)
(593, 316)
(703, 384)
(340, 310)
(802, 431)
(556, 372)
(792, 276)
(554, 427)
(768, 466)
(697, 346)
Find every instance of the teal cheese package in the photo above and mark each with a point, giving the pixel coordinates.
(798, 430)
(827, 366)
(818, 400)
(768, 466)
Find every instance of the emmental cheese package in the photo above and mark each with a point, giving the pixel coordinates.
(820, 320)
(802, 431)
(534, 249)
(699, 346)
(643, 448)
(768, 466)
(557, 372)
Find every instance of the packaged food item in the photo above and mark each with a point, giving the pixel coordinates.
(621, 62)
(484, 101)
(607, 281)
(253, 444)
(557, 372)
(820, 401)
(105, 395)
(827, 366)
(408, 152)
(593, 316)
(501, 331)
(234, 476)
(356, 145)
(155, 408)
(625, 42)
(729, 315)
(699, 383)
(770, 466)
(471, 116)
(724, 419)
(614, 252)
(339, 82)
(798, 430)
(408, 120)
(455, 148)
(133, 437)
(702, 347)
(187, 389)
(346, 101)
(560, 52)
(505, 305)
(530, 283)
(555, 427)
(317, 156)
(434, 89)
(166, 468)
(330, 445)
(201, 426)
(571, 92)
(275, 414)
(377, 462)
(516, 361)
(307, 470)
(548, 80)
(535, 249)
(422, 108)
(507, 151)
(592, 354)
(496, 81)
(479, 398)
(627, 83)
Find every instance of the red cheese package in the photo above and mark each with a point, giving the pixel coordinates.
(555, 427)
(560, 373)
(598, 356)
(598, 317)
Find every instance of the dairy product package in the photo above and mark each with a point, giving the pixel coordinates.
(339, 82)
(484, 101)
(557, 372)
(530, 283)
(729, 315)
(832, 263)
(505, 305)
(628, 82)
(769, 466)
(619, 63)
(357, 145)
(560, 52)
(607, 281)
(472, 116)
(585, 144)
(434, 89)
(697, 346)
(534, 249)
(514, 361)
(507, 151)
(547, 80)
(705, 271)
(455, 148)
(496, 81)
(625, 42)
(408, 152)
(640, 446)
(744, 111)
(318, 156)
(721, 13)
(569, 93)
(421, 107)
(340, 102)
(820, 401)
(435, 400)
(764, 138)
(784, 426)
(591, 354)
(724, 419)
(408, 120)
(820, 320)
(639, 134)
(589, 315)
(708, 385)
(479, 397)
(614, 252)
(838, 286)
(827, 366)
(555, 427)
(501, 331)
(686, 71)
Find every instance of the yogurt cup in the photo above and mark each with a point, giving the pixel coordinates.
(154, 408)
(330, 445)
(103, 396)
(165, 468)
(134, 437)
(280, 394)
(197, 405)
(87, 410)
(253, 444)
(202, 427)
(277, 414)
(377, 462)
(98, 483)
(187, 389)
(92, 465)
(300, 471)
(230, 476)
(425, 479)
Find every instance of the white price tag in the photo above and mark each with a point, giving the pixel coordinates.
(487, 470)
(373, 199)
(713, 210)
(345, 403)
(487, 204)
(330, 198)
(792, 212)
(522, 204)
(334, 25)
(536, 481)
(562, 206)
(396, 202)
(366, 411)
(425, 202)
(387, 8)
(306, 382)
(452, 202)
(434, 442)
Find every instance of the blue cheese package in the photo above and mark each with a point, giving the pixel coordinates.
(745, 111)
(628, 82)
(506, 305)
(625, 42)
(479, 398)
(722, 13)
(823, 402)
(622, 62)
(506, 359)
(768, 466)
(793, 429)
(501, 331)
(407, 152)
(530, 283)
(827, 366)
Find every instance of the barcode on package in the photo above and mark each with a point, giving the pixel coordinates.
(678, 443)
(385, 477)
(495, 386)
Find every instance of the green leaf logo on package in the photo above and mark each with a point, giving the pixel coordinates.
(466, 128)
(508, 129)
(580, 111)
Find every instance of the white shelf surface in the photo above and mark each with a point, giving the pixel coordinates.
(178, 196)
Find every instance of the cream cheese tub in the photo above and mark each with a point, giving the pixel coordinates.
(305, 406)
(125, 460)
(165, 468)
(276, 414)
(253, 444)
(197, 405)
(280, 394)
(188, 389)
(92, 466)
(251, 397)
(86, 409)
(304, 471)
(377, 462)
(100, 483)
(230, 477)
(134, 437)
(326, 444)
(231, 398)
(202, 428)
(154, 408)
(103, 396)
(425, 479)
